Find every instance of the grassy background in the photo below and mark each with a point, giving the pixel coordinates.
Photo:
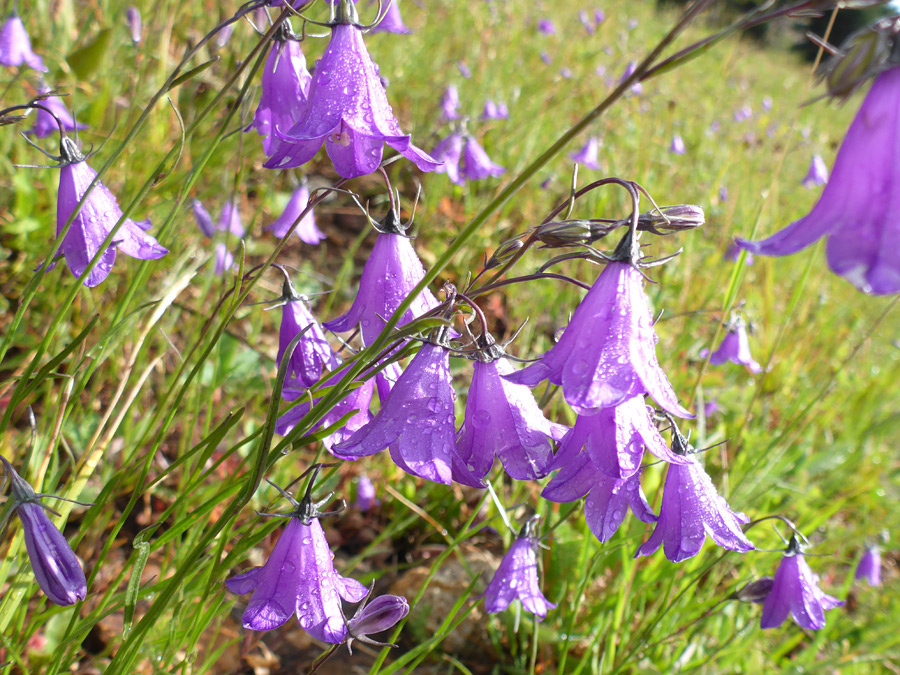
(156, 406)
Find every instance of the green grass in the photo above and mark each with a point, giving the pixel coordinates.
(152, 393)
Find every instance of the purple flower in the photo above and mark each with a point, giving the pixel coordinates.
(133, 19)
(358, 399)
(586, 21)
(476, 164)
(817, 174)
(743, 113)
(299, 579)
(312, 355)
(306, 230)
(723, 193)
(365, 494)
(599, 16)
(756, 591)
(607, 353)
(494, 111)
(733, 254)
(224, 259)
(588, 154)
(632, 24)
(224, 35)
(767, 103)
(795, 591)
(637, 87)
(857, 208)
(735, 348)
(517, 578)
(691, 509)
(15, 46)
(710, 408)
(464, 69)
(450, 103)
(546, 58)
(392, 21)
(546, 27)
(417, 421)
(390, 273)
(230, 219)
(376, 617)
(449, 152)
(869, 567)
(95, 221)
(503, 420)
(45, 124)
(204, 220)
(677, 145)
(56, 568)
(285, 88)
(348, 110)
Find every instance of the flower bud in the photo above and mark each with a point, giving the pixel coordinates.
(504, 253)
(862, 56)
(565, 233)
(672, 218)
(755, 591)
(133, 19)
(379, 615)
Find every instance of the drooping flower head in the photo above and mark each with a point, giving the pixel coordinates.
(392, 21)
(47, 122)
(857, 210)
(450, 103)
(449, 152)
(299, 579)
(817, 174)
(735, 347)
(869, 567)
(588, 154)
(224, 259)
(285, 89)
(347, 109)
(494, 111)
(546, 27)
(15, 45)
(607, 353)
(133, 19)
(795, 591)
(692, 509)
(676, 147)
(56, 568)
(96, 219)
(229, 219)
(517, 577)
(365, 493)
(476, 164)
(503, 420)
(307, 230)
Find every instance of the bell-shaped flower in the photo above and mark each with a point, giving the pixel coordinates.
(517, 578)
(676, 147)
(546, 27)
(358, 399)
(306, 230)
(476, 164)
(285, 88)
(449, 152)
(503, 420)
(390, 273)
(392, 22)
(201, 216)
(494, 111)
(735, 347)
(608, 499)
(299, 579)
(869, 567)
(365, 494)
(417, 422)
(796, 591)
(691, 509)
(858, 208)
(224, 259)
(637, 87)
(817, 174)
(312, 354)
(450, 103)
(15, 45)
(588, 154)
(348, 110)
(135, 25)
(96, 219)
(45, 124)
(230, 219)
(56, 568)
(607, 353)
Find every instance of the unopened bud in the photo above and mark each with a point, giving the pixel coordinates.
(756, 591)
(862, 56)
(564, 233)
(504, 253)
(673, 218)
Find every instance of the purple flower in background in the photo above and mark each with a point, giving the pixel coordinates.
(312, 355)
(224, 259)
(733, 254)
(365, 494)
(796, 591)
(416, 421)
(45, 124)
(390, 273)
(546, 58)
(392, 21)
(607, 353)
(358, 399)
(230, 219)
(299, 579)
(585, 19)
(450, 103)
(306, 230)
(204, 220)
(449, 152)
(224, 35)
(588, 154)
(476, 164)
(464, 69)
(710, 408)
(285, 89)
(817, 174)
(632, 24)
(723, 193)
(637, 87)
(743, 113)
(15, 46)
(546, 27)
(517, 577)
(691, 509)
(56, 568)
(767, 103)
(566, 73)
(503, 420)
(95, 221)
(494, 111)
(735, 347)
(857, 210)
(376, 617)
(677, 145)
(599, 16)
(133, 19)
(348, 110)
(869, 567)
